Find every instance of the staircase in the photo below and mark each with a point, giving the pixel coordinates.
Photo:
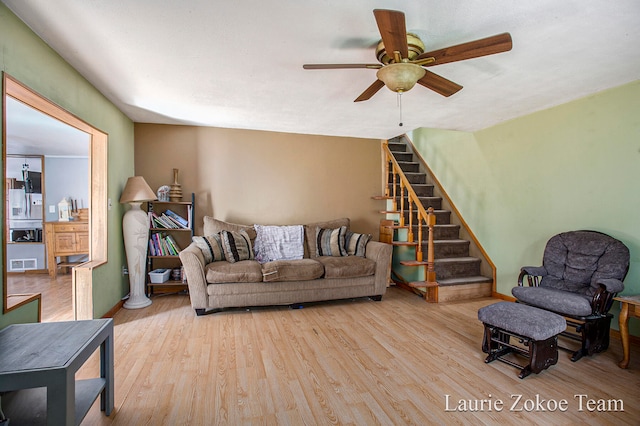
(420, 215)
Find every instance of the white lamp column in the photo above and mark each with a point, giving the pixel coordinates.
(135, 229)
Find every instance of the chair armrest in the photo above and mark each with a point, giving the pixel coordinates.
(603, 297)
(601, 301)
(533, 272)
(381, 254)
(193, 263)
(611, 284)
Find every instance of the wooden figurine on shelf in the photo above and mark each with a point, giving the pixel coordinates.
(175, 194)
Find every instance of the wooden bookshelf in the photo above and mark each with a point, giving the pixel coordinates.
(162, 254)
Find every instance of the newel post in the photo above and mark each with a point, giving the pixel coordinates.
(431, 272)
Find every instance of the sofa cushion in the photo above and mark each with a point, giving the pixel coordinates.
(211, 247)
(355, 243)
(310, 233)
(330, 242)
(236, 246)
(244, 271)
(347, 266)
(214, 226)
(292, 270)
(278, 243)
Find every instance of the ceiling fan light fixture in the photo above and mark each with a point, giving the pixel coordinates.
(415, 47)
(400, 77)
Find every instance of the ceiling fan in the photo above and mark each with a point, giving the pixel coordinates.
(402, 57)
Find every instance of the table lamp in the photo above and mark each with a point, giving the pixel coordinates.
(135, 229)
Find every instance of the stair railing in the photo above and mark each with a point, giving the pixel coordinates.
(425, 216)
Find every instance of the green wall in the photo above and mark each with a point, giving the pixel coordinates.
(574, 166)
(24, 56)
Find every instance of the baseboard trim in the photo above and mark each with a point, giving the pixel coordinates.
(616, 335)
(503, 297)
(113, 310)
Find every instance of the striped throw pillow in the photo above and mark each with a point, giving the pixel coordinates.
(211, 247)
(236, 245)
(355, 243)
(330, 242)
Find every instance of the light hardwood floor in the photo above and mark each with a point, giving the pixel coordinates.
(56, 293)
(356, 362)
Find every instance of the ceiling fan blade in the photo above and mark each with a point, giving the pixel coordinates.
(339, 66)
(439, 84)
(392, 27)
(370, 91)
(472, 49)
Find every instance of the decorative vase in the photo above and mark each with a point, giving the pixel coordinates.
(135, 227)
(175, 193)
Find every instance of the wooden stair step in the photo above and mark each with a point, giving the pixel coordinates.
(457, 259)
(477, 279)
(409, 166)
(403, 156)
(413, 177)
(405, 243)
(396, 226)
(422, 284)
(420, 189)
(451, 241)
(422, 198)
(454, 267)
(382, 197)
(435, 211)
(397, 146)
(414, 263)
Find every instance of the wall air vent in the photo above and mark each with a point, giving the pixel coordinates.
(23, 264)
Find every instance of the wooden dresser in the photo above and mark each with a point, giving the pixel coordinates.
(64, 239)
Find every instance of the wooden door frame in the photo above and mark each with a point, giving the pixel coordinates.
(82, 275)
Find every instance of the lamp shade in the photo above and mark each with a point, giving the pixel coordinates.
(400, 77)
(137, 190)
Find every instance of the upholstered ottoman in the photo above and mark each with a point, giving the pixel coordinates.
(535, 328)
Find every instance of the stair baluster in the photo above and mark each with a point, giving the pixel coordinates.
(401, 197)
(394, 203)
(410, 233)
(419, 249)
(387, 164)
(431, 272)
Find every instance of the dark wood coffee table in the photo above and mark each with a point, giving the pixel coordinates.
(48, 355)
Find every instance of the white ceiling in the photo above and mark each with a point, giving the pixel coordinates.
(238, 64)
(32, 132)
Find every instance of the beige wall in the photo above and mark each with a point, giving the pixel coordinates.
(268, 178)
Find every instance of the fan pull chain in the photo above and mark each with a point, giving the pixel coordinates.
(400, 107)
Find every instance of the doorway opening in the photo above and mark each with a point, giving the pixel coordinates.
(81, 275)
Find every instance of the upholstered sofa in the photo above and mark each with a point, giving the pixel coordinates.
(223, 269)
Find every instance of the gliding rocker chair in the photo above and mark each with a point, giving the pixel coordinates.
(581, 273)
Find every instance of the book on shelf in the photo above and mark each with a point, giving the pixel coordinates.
(155, 221)
(175, 223)
(173, 246)
(162, 221)
(170, 223)
(184, 223)
(155, 238)
(163, 245)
